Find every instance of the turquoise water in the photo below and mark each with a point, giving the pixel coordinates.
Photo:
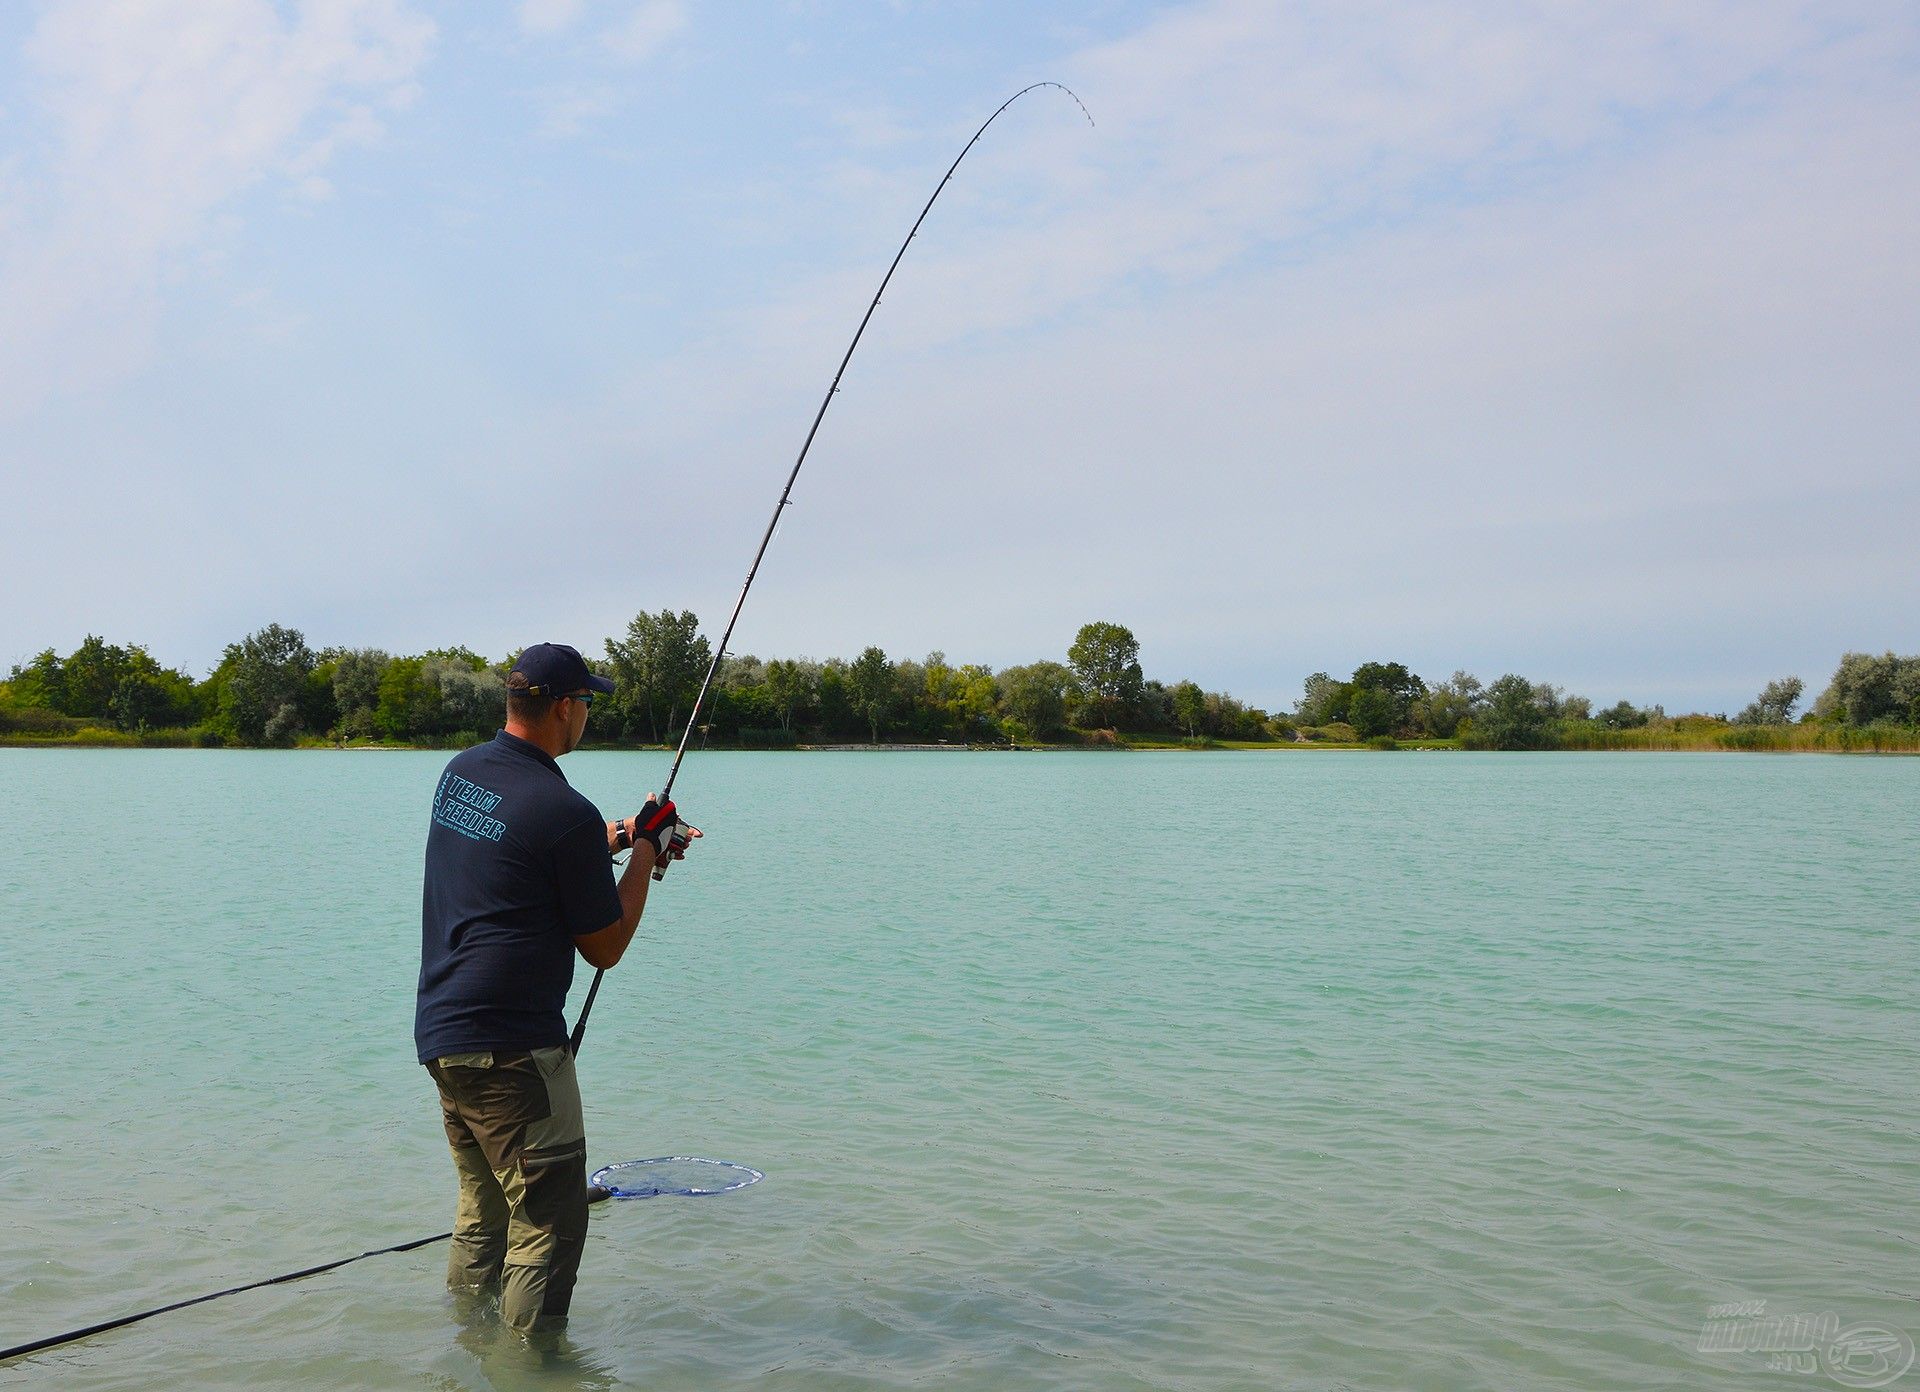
(1290, 1070)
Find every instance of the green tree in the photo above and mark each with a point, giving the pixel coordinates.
(909, 712)
(1372, 711)
(1322, 700)
(42, 683)
(834, 706)
(1512, 718)
(936, 697)
(1774, 705)
(457, 656)
(1623, 715)
(1035, 696)
(791, 686)
(975, 701)
(740, 671)
(870, 689)
(1447, 703)
(1106, 659)
(658, 668)
(1231, 719)
(104, 681)
(356, 688)
(1866, 688)
(472, 700)
(1189, 706)
(149, 696)
(409, 705)
(140, 702)
(732, 711)
(265, 679)
(93, 672)
(951, 702)
(1392, 679)
(1153, 708)
(1906, 692)
(739, 700)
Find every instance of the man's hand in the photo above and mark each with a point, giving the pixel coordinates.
(684, 834)
(653, 825)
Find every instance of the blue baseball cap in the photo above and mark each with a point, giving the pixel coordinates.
(554, 669)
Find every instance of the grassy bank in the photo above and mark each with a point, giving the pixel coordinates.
(96, 737)
(1759, 739)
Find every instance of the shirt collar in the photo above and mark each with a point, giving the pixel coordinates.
(513, 744)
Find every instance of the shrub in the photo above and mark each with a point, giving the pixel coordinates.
(164, 739)
(282, 727)
(1513, 718)
(1869, 690)
(96, 738)
(1383, 742)
(38, 720)
(764, 737)
(1337, 732)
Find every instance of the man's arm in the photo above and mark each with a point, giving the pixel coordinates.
(658, 837)
(605, 947)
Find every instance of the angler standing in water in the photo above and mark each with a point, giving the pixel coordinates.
(508, 883)
(519, 877)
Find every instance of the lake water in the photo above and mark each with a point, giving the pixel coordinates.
(1273, 1070)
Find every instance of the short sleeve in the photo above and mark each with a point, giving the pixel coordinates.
(583, 872)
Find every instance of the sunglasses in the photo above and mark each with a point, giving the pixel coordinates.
(584, 696)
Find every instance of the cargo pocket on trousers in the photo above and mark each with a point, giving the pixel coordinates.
(564, 1125)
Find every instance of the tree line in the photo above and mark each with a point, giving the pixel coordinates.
(272, 689)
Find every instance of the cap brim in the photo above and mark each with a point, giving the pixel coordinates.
(601, 684)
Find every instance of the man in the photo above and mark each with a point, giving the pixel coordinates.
(519, 877)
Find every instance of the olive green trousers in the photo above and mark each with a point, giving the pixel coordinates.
(520, 1148)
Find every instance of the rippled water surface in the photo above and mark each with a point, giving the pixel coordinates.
(1290, 1069)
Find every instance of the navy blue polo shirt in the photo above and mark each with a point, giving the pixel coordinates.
(517, 868)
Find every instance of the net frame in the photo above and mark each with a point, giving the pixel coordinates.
(606, 1177)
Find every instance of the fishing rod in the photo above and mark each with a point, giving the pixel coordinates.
(686, 735)
(773, 522)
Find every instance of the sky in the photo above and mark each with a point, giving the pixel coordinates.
(1578, 341)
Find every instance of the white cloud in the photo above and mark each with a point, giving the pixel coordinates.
(161, 113)
(646, 29)
(548, 16)
(1404, 325)
(1240, 128)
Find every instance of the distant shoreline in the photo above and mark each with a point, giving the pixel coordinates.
(272, 691)
(1732, 740)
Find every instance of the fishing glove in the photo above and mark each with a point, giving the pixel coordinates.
(654, 824)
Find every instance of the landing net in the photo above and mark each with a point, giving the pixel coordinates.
(673, 1174)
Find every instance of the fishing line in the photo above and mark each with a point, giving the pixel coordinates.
(92, 1329)
(633, 1178)
(786, 493)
